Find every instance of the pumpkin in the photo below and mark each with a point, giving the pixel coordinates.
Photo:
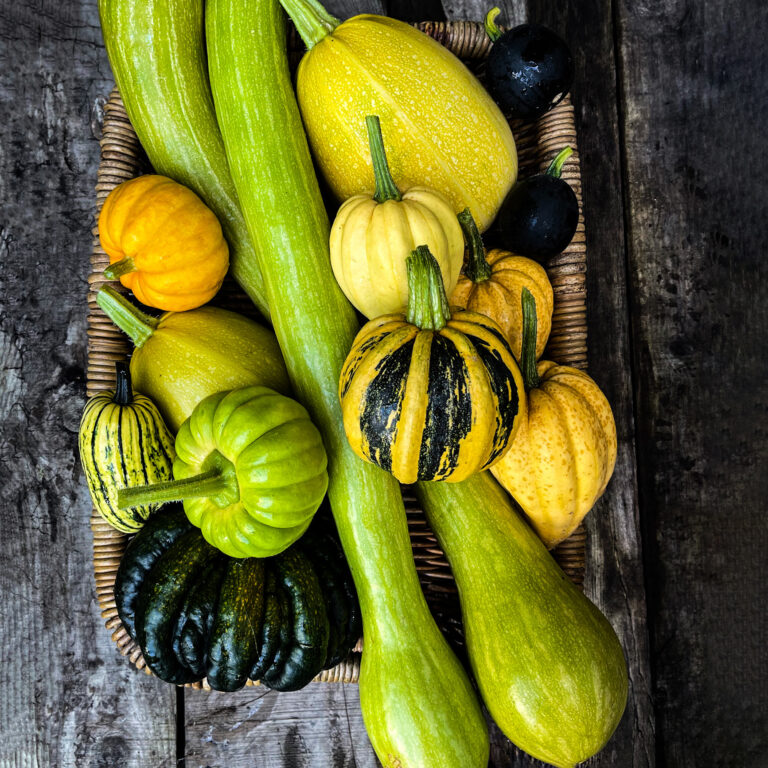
(123, 440)
(163, 242)
(443, 129)
(492, 285)
(251, 469)
(564, 453)
(430, 395)
(373, 235)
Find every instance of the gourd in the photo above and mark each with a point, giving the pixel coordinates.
(371, 238)
(430, 395)
(443, 129)
(251, 469)
(418, 704)
(123, 440)
(156, 49)
(548, 664)
(565, 451)
(492, 284)
(163, 242)
(182, 357)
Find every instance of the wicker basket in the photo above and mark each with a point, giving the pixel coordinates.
(122, 158)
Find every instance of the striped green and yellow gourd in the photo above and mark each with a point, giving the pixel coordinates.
(123, 442)
(431, 395)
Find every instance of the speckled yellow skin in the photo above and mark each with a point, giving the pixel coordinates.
(370, 242)
(563, 455)
(499, 297)
(173, 238)
(443, 129)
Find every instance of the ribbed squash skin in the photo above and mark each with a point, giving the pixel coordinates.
(431, 405)
(121, 446)
(156, 49)
(419, 707)
(564, 453)
(442, 128)
(499, 297)
(548, 664)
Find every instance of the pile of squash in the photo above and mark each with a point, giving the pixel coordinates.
(251, 427)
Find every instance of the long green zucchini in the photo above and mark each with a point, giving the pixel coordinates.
(157, 52)
(549, 666)
(418, 705)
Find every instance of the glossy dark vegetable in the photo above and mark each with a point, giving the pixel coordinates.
(529, 69)
(539, 217)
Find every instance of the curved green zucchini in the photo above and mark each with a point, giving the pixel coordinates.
(418, 704)
(157, 52)
(548, 664)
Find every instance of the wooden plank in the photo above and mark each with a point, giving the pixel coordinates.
(68, 698)
(693, 138)
(513, 12)
(258, 728)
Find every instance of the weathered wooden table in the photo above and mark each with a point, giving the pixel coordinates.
(670, 107)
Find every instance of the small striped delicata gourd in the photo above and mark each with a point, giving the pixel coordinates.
(123, 441)
(430, 395)
(564, 453)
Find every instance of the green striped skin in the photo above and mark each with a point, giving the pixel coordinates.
(418, 705)
(122, 446)
(157, 52)
(431, 405)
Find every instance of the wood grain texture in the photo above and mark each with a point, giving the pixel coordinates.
(68, 698)
(694, 132)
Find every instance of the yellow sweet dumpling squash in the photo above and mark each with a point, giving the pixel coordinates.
(372, 237)
(164, 243)
(565, 450)
(492, 285)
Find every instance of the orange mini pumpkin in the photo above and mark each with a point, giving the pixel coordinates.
(163, 242)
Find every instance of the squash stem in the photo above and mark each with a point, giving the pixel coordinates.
(119, 268)
(386, 189)
(129, 319)
(427, 303)
(210, 483)
(556, 166)
(311, 20)
(490, 24)
(123, 390)
(478, 270)
(528, 357)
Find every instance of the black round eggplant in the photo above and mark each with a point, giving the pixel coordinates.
(529, 69)
(538, 218)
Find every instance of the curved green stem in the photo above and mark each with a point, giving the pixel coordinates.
(120, 268)
(530, 330)
(210, 483)
(129, 319)
(556, 166)
(478, 270)
(123, 390)
(427, 303)
(490, 24)
(311, 20)
(386, 189)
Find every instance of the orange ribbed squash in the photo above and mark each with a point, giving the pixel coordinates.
(164, 243)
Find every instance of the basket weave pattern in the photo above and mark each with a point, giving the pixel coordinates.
(122, 158)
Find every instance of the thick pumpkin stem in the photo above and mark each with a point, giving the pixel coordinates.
(119, 268)
(386, 189)
(490, 24)
(123, 390)
(427, 303)
(530, 330)
(311, 20)
(478, 270)
(207, 484)
(556, 166)
(129, 319)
